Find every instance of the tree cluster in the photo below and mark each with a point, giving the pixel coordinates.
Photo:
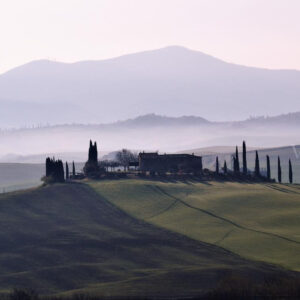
(91, 168)
(125, 156)
(93, 152)
(54, 170)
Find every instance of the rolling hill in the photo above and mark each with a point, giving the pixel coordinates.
(256, 221)
(173, 80)
(67, 238)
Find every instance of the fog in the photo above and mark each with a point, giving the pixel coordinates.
(71, 142)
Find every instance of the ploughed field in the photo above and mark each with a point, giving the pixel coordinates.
(256, 221)
(93, 238)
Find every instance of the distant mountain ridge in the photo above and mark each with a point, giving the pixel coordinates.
(154, 120)
(170, 81)
(158, 120)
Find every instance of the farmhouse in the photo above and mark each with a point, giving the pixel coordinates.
(154, 162)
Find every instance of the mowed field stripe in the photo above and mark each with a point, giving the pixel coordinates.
(160, 189)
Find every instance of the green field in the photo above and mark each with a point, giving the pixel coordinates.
(68, 238)
(257, 221)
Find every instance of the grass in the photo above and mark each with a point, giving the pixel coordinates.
(256, 221)
(67, 238)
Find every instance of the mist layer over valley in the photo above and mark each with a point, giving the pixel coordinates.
(148, 133)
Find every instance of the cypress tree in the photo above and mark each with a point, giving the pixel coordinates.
(59, 174)
(90, 151)
(201, 165)
(257, 169)
(290, 171)
(95, 152)
(268, 168)
(48, 162)
(279, 170)
(217, 165)
(234, 163)
(237, 160)
(225, 167)
(244, 158)
(73, 171)
(67, 171)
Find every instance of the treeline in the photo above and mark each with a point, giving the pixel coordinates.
(55, 171)
(257, 169)
(94, 169)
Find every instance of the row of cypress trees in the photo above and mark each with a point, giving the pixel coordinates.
(257, 172)
(55, 170)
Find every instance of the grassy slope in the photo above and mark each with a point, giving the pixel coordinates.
(66, 237)
(256, 221)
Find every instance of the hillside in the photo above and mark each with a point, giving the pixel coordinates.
(257, 221)
(66, 237)
(173, 80)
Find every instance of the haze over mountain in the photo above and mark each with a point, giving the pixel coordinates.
(171, 81)
(150, 133)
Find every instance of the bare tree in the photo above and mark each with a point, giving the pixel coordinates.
(125, 156)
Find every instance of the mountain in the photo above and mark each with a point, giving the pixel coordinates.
(170, 81)
(153, 120)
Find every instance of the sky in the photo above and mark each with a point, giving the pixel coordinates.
(261, 33)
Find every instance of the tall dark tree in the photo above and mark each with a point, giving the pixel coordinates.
(90, 151)
(225, 167)
(244, 158)
(217, 165)
(92, 167)
(237, 160)
(67, 171)
(55, 170)
(95, 152)
(73, 169)
(290, 171)
(233, 160)
(60, 171)
(201, 164)
(268, 167)
(257, 168)
(279, 170)
(48, 166)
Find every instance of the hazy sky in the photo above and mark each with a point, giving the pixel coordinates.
(264, 33)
